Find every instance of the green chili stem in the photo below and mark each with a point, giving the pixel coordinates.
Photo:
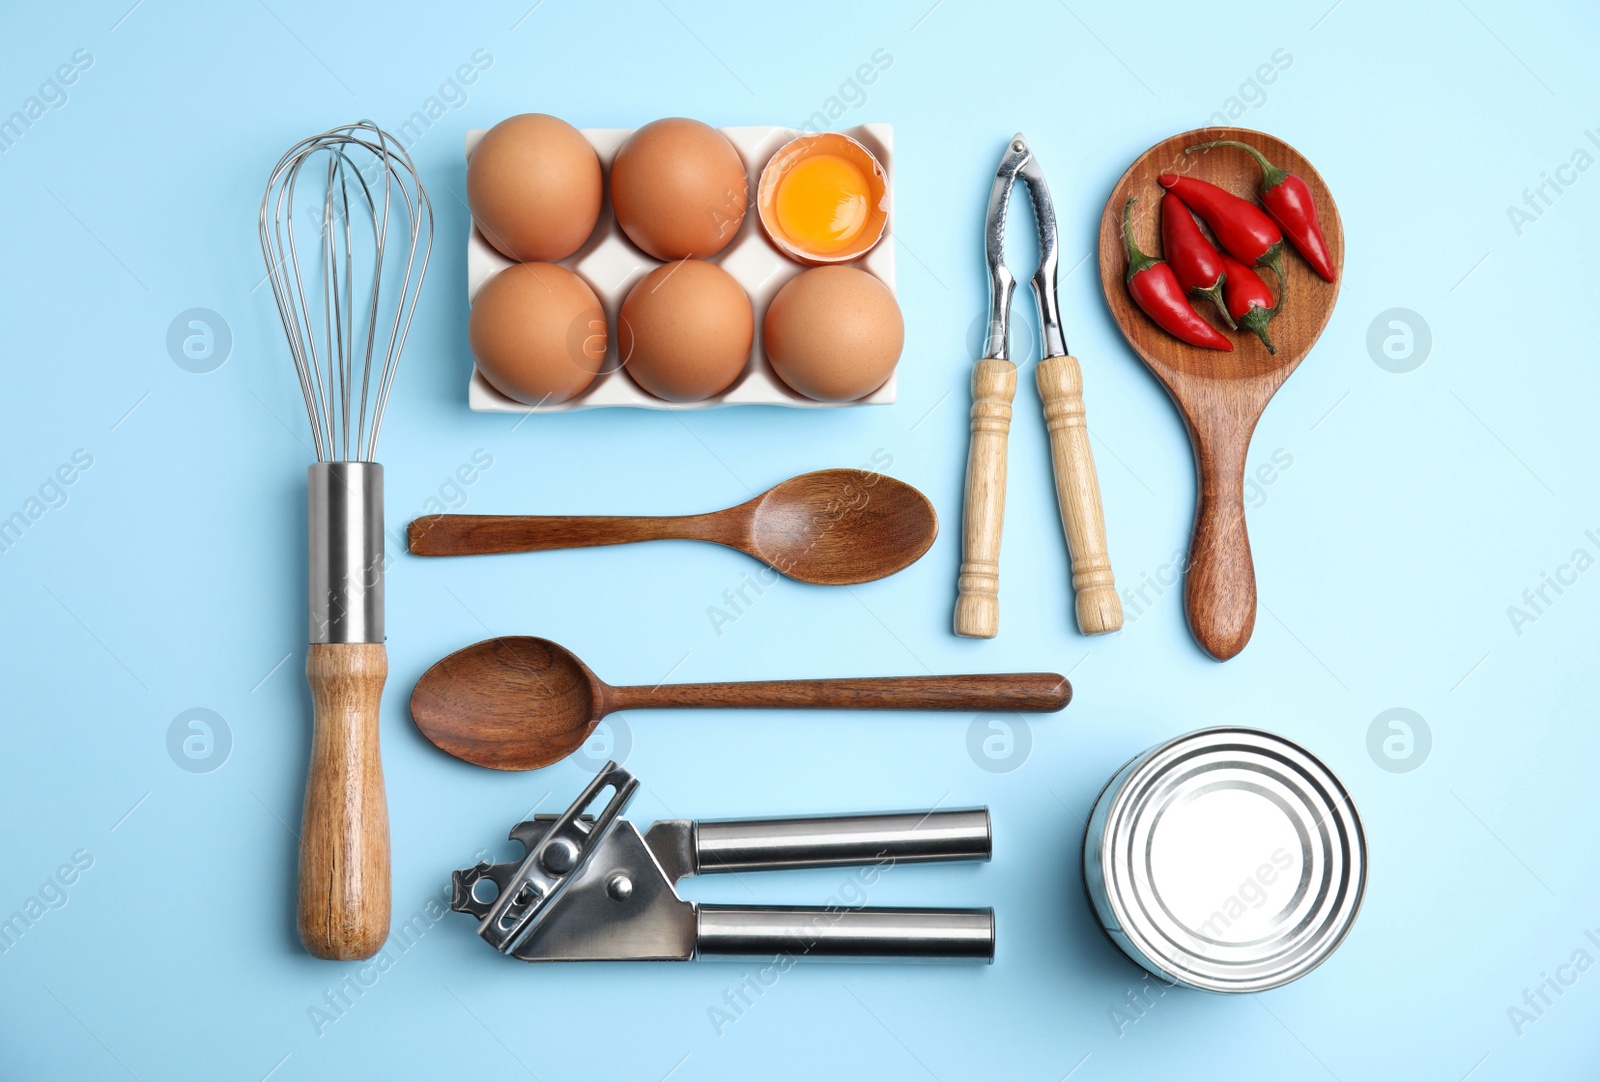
(1271, 175)
(1137, 260)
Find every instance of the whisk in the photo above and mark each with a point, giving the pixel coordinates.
(346, 301)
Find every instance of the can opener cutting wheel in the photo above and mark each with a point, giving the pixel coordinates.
(994, 384)
(599, 889)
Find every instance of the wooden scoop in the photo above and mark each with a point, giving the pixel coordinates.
(518, 703)
(831, 527)
(1220, 395)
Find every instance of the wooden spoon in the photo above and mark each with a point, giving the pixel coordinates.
(518, 703)
(831, 527)
(1220, 395)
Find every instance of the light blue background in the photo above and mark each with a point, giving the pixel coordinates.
(1417, 508)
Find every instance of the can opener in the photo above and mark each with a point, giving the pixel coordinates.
(599, 889)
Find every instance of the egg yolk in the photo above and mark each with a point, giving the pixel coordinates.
(822, 203)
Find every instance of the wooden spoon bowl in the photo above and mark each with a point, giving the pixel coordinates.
(1220, 395)
(511, 703)
(838, 527)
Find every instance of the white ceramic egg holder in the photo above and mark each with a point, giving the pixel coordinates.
(611, 265)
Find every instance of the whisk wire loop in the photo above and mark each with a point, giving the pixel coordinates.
(363, 172)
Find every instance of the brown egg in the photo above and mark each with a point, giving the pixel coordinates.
(534, 188)
(834, 333)
(679, 189)
(685, 331)
(538, 333)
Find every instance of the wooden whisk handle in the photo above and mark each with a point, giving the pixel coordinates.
(1078, 492)
(344, 833)
(994, 384)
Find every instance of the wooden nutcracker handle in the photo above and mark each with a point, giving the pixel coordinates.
(1078, 492)
(344, 834)
(994, 384)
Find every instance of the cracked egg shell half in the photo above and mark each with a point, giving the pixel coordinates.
(823, 199)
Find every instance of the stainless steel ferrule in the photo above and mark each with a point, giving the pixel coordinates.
(345, 551)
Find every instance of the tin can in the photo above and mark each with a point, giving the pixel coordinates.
(1228, 859)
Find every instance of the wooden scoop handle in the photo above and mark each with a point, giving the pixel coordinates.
(1078, 492)
(1219, 590)
(476, 535)
(994, 384)
(344, 833)
(1033, 692)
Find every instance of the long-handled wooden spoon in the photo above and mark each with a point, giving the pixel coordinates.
(831, 527)
(1220, 395)
(518, 703)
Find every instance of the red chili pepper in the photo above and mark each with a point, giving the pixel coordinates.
(1196, 263)
(1156, 291)
(1288, 199)
(1249, 299)
(1243, 228)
